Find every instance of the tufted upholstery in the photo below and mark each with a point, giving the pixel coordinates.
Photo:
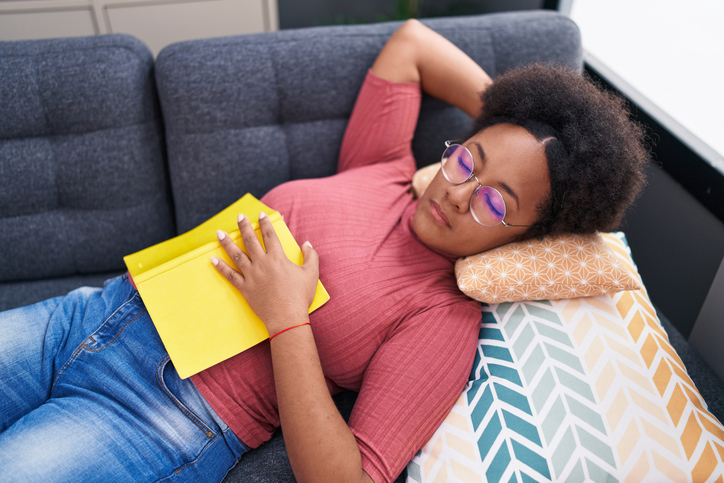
(81, 158)
(244, 114)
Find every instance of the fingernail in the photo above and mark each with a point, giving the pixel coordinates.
(214, 261)
(240, 218)
(220, 234)
(262, 215)
(308, 243)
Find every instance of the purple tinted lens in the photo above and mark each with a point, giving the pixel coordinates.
(457, 164)
(487, 206)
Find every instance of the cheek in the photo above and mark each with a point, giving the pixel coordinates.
(473, 238)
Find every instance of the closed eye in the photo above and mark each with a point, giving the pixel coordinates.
(491, 206)
(465, 167)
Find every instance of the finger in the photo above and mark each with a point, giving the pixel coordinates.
(236, 254)
(235, 278)
(311, 259)
(248, 236)
(269, 235)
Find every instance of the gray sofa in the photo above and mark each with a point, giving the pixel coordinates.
(104, 151)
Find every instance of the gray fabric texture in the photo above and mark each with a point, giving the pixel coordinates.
(82, 162)
(243, 114)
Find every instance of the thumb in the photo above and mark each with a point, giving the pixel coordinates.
(311, 258)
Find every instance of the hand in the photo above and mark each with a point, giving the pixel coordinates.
(277, 290)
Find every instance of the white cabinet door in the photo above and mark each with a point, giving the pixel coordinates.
(156, 22)
(23, 20)
(160, 24)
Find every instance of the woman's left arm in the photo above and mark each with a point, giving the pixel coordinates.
(319, 443)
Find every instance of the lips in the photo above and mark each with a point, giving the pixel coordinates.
(439, 214)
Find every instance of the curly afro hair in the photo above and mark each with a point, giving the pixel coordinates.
(596, 154)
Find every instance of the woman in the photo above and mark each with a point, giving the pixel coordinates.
(88, 391)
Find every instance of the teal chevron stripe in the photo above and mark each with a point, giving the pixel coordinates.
(575, 384)
(565, 357)
(595, 446)
(507, 373)
(553, 420)
(543, 313)
(515, 319)
(543, 390)
(522, 427)
(489, 318)
(564, 451)
(554, 334)
(584, 413)
(527, 479)
(513, 398)
(533, 364)
(597, 474)
(481, 407)
(532, 459)
(523, 341)
(503, 308)
(496, 352)
(576, 475)
(500, 463)
(492, 334)
(474, 373)
(490, 435)
(413, 471)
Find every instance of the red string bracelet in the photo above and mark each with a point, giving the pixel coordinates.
(288, 328)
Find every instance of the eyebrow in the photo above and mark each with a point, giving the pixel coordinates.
(505, 187)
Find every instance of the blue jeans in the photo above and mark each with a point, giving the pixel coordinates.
(87, 393)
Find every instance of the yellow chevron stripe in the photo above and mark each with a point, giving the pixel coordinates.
(706, 465)
(662, 438)
(636, 326)
(669, 469)
(628, 442)
(463, 473)
(639, 470)
(676, 404)
(605, 380)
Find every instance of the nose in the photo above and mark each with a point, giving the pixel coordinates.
(459, 194)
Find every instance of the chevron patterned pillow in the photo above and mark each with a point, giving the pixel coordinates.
(581, 389)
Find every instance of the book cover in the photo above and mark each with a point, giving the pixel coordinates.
(201, 318)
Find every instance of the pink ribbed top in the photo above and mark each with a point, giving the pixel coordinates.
(396, 328)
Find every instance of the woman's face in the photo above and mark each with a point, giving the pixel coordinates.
(508, 158)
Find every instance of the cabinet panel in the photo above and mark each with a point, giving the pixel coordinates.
(45, 24)
(161, 24)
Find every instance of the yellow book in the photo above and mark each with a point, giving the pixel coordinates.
(201, 318)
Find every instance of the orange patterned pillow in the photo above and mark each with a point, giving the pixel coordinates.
(552, 268)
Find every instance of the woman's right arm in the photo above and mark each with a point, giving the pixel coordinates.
(416, 53)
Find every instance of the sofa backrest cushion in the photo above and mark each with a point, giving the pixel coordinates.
(82, 169)
(244, 114)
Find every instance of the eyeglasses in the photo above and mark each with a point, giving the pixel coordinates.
(486, 203)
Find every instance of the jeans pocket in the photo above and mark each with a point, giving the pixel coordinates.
(185, 396)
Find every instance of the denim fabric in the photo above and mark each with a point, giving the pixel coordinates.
(87, 393)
